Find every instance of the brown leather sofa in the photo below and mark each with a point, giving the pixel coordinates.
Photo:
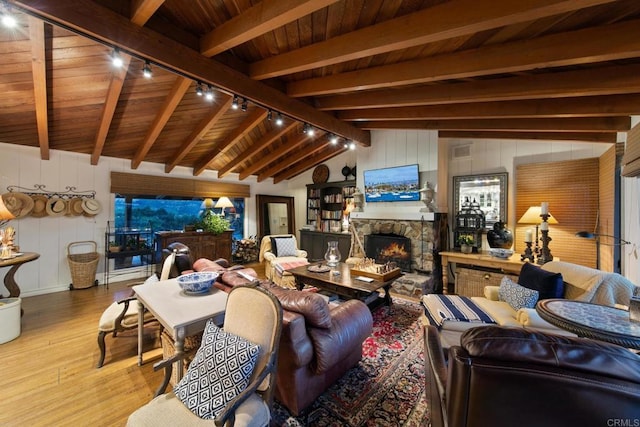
(319, 343)
(502, 376)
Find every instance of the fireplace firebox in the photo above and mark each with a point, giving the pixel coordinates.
(389, 248)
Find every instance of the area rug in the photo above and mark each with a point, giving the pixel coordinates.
(386, 388)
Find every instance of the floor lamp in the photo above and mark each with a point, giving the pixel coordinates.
(617, 241)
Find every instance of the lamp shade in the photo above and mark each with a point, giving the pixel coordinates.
(5, 214)
(224, 202)
(532, 216)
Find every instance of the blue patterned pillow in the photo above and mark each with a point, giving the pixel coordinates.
(517, 296)
(283, 246)
(219, 372)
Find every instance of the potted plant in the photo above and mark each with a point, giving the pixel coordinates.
(466, 243)
(212, 222)
(114, 247)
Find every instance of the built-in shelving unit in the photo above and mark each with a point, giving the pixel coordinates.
(326, 204)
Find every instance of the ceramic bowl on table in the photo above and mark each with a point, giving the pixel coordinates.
(198, 282)
(500, 253)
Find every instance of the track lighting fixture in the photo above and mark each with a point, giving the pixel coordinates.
(333, 139)
(146, 70)
(279, 120)
(244, 104)
(269, 115)
(234, 104)
(308, 129)
(199, 90)
(209, 93)
(350, 145)
(116, 59)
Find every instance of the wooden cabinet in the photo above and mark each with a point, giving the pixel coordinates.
(315, 243)
(201, 244)
(326, 203)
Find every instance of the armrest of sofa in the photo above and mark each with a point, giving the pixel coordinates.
(302, 253)
(351, 324)
(530, 319)
(296, 348)
(491, 293)
(269, 256)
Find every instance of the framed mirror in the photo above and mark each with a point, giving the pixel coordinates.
(276, 215)
(488, 190)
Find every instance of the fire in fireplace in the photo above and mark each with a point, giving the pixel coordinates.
(389, 248)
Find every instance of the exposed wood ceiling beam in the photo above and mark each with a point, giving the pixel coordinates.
(253, 120)
(112, 28)
(591, 124)
(142, 10)
(199, 132)
(39, 73)
(606, 43)
(309, 161)
(266, 140)
(597, 81)
(276, 166)
(444, 21)
(256, 21)
(171, 101)
(118, 77)
(265, 160)
(607, 137)
(587, 106)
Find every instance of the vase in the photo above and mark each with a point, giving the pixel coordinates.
(332, 256)
(500, 236)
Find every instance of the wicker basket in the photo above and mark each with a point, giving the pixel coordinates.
(191, 345)
(471, 283)
(83, 266)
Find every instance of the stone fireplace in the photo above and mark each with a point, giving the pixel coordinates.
(386, 248)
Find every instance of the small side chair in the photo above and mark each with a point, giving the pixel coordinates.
(122, 315)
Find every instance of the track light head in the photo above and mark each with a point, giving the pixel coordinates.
(333, 139)
(352, 145)
(269, 115)
(209, 93)
(146, 70)
(116, 59)
(235, 103)
(199, 90)
(9, 20)
(245, 104)
(279, 120)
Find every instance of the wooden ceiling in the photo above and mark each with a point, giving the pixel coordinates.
(536, 69)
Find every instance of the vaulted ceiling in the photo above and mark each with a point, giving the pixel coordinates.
(537, 69)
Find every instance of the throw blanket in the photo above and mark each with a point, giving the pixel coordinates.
(439, 308)
(282, 266)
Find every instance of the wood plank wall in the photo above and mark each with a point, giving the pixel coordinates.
(572, 190)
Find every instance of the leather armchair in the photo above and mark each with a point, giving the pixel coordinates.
(319, 343)
(502, 376)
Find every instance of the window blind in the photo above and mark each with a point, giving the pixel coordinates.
(138, 184)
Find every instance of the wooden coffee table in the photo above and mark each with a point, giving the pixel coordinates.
(343, 284)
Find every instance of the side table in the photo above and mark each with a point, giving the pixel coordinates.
(599, 322)
(510, 265)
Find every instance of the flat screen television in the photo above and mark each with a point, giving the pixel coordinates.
(396, 184)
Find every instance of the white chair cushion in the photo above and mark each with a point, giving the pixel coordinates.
(107, 321)
(168, 410)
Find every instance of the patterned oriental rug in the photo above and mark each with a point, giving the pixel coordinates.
(386, 388)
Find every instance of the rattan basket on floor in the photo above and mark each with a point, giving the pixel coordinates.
(83, 266)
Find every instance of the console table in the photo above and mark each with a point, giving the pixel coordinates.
(590, 320)
(15, 263)
(511, 265)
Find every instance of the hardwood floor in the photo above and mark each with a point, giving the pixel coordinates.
(49, 375)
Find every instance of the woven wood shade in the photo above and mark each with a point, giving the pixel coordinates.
(631, 158)
(572, 190)
(129, 183)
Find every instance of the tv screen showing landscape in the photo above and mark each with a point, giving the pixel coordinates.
(396, 184)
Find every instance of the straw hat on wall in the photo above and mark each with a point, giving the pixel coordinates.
(56, 207)
(39, 205)
(19, 204)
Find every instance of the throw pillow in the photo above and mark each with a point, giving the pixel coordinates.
(283, 246)
(548, 284)
(219, 372)
(517, 296)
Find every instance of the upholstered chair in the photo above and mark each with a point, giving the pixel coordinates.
(502, 376)
(280, 252)
(122, 315)
(252, 314)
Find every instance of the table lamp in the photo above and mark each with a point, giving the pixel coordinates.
(533, 216)
(224, 202)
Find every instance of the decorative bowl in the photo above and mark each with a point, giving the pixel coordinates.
(198, 282)
(500, 253)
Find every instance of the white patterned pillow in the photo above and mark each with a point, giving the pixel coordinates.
(283, 246)
(219, 372)
(517, 296)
